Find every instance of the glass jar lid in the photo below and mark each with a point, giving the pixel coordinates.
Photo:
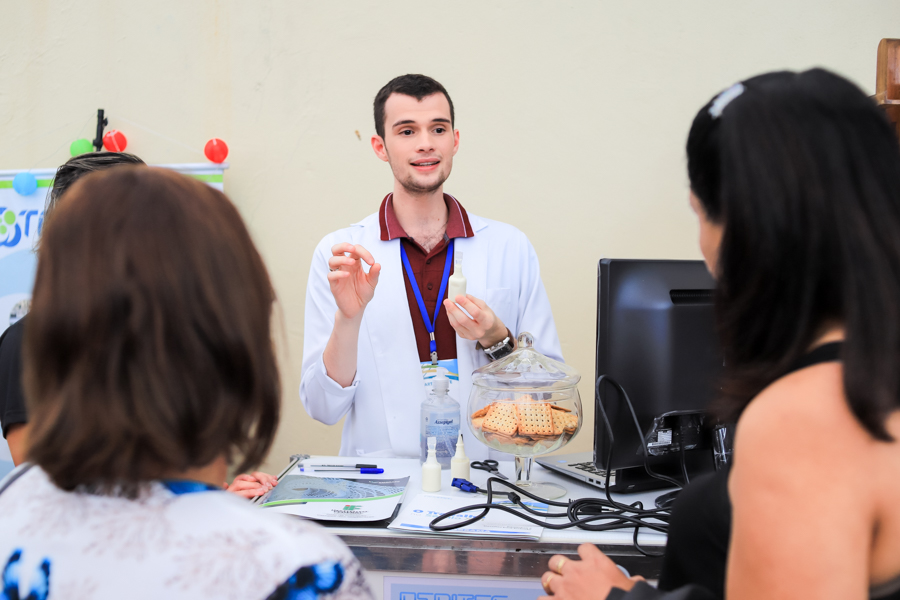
(526, 369)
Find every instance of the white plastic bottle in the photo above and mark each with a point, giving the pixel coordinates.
(459, 466)
(456, 285)
(431, 470)
(440, 418)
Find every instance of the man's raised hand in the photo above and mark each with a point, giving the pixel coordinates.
(351, 286)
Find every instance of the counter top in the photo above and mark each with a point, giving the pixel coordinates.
(381, 549)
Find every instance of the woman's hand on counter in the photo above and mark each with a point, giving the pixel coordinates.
(591, 578)
(252, 485)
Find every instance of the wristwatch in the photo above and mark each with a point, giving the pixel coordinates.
(502, 348)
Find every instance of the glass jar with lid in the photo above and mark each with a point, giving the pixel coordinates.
(526, 404)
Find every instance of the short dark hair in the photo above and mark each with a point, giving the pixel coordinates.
(147, 350)
(78, 166)
(417, 86)
(802, 170)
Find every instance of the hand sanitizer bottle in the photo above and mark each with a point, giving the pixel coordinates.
(456, 285)
(440, 418)
(431, 470)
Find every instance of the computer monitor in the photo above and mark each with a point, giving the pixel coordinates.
(656, 338)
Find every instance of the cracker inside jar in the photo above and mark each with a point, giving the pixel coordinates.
(524, 422)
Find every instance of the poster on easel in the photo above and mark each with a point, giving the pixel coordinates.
(21, 222)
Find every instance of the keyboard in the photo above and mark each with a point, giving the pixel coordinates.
(589, 467)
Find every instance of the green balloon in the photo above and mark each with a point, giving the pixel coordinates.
(81, 146)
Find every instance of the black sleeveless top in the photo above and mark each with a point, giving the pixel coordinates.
(700, 526)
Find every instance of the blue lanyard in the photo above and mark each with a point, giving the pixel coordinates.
(430, 324)
(187, 486)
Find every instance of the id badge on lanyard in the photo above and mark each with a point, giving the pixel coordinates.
(429, 371)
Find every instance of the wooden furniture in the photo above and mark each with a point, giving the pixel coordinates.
(887, 79)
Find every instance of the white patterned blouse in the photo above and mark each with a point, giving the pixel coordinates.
(179, 540)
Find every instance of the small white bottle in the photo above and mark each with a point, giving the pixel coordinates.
(459, 466)
(431, 469)
(456, 285)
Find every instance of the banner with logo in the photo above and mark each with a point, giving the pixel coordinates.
(21, 221)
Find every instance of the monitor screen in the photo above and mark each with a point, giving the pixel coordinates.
(656, 337)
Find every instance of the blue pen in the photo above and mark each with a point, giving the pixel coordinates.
(364, 471)
(356, 466)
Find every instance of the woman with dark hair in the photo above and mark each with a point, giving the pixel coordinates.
(795, 179)
(149, 368)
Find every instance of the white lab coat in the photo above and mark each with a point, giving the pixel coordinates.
(383, 402)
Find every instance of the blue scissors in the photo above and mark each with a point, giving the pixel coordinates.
(490, 466)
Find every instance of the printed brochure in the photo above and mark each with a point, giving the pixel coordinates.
(418, 512)
(335, 498)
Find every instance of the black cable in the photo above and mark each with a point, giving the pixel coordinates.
(637, 426)
(583, 512)
(684, 473)
(575, 508)
(607, 465)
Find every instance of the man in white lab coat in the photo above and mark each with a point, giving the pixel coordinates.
(377, 317)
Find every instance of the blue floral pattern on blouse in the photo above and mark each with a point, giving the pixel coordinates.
(40, 585)
(308, 583)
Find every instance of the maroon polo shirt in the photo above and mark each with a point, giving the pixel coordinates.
(428, 268)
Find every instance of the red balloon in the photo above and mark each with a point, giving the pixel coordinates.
(216, 150)
(114, 141)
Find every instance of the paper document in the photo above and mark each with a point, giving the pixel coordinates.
(421, 510)
(335, 498)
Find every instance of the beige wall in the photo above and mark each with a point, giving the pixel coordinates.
(572, 115)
